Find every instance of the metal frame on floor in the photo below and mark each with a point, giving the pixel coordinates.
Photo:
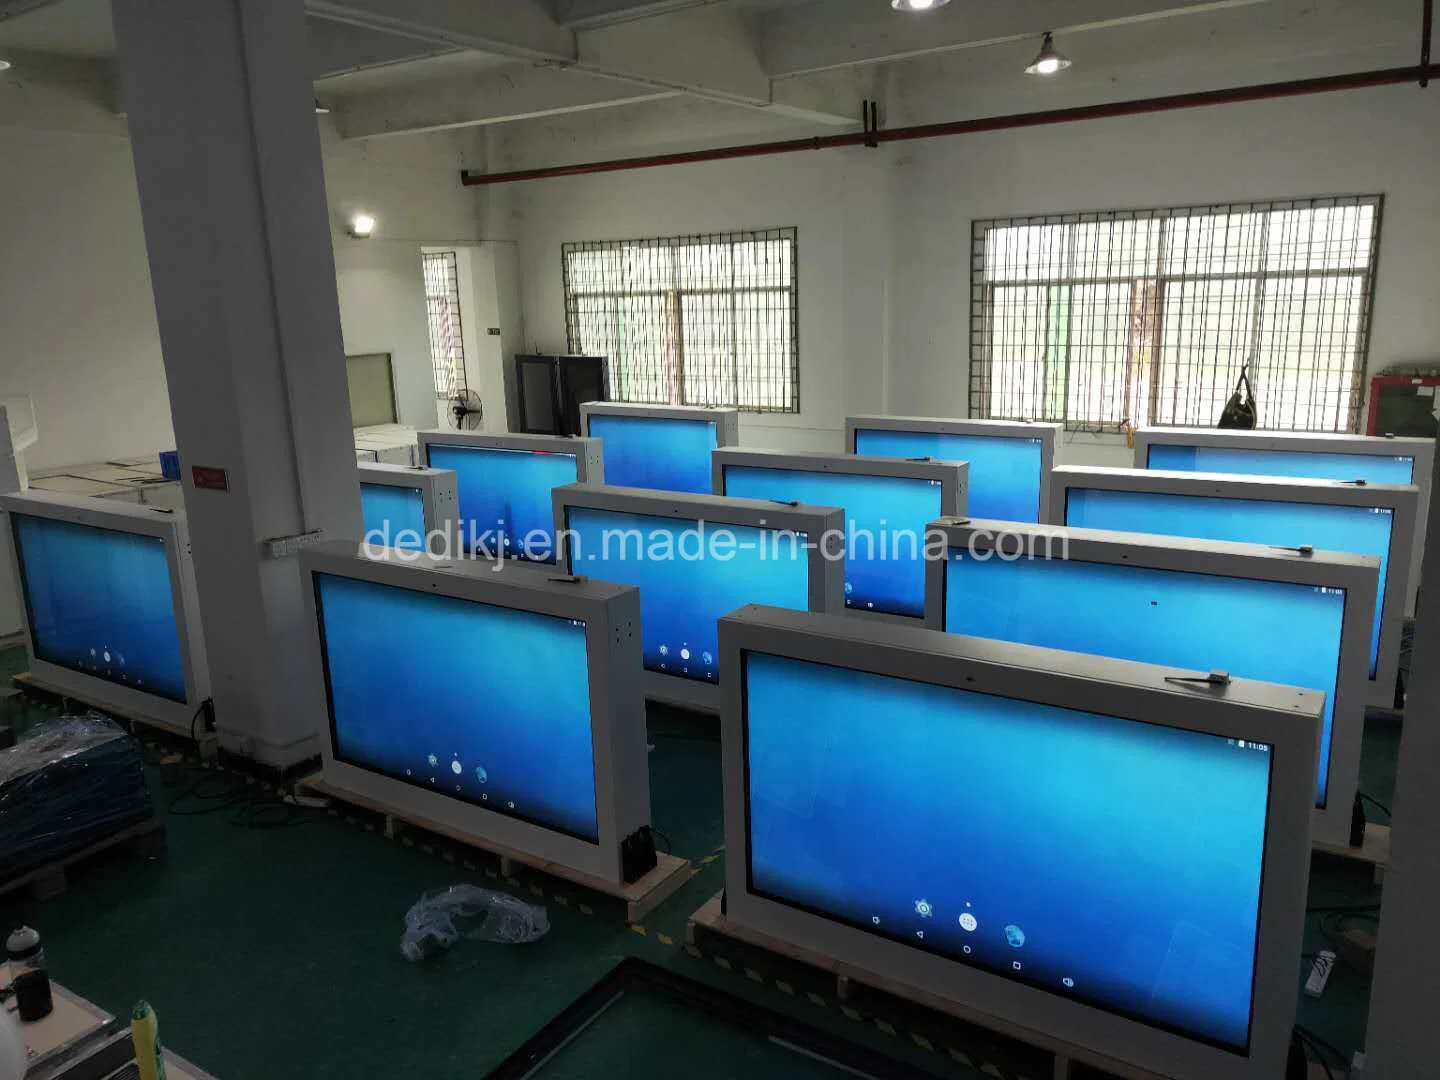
(636, 976)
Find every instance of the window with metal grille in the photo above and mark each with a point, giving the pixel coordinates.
(1110, 319)
(442, 306)
(690, 320)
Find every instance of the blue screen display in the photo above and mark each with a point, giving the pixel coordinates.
(396, 514)
(690, 575)
(1304, 464)
(485, 704)
(1274, 631)
(100, 602)
(1359, 530)
(1004, 834)
(1004, 472)
(504, 495)
(885, 519)
(656, 452)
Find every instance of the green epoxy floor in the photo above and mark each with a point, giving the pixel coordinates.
(274, 953)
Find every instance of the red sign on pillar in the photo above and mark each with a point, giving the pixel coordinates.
(209, 478)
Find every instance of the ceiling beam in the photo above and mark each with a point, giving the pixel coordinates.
(517, 28)
(803, 40)
(12, 9)
(516, 93)
(583, 14)
(338, 48)
(832, 98)
(89, 80)
(711, 50)
(700, 47)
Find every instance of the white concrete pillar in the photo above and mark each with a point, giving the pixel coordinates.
(1403, 1038)
(227, 157)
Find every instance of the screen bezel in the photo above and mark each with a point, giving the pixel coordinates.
(1400, 499)
(611, 615)
(15, 520)
(826, 575)
(1244, 709)
(1356, 575)
(726, 421)
(1421, 451)
(316, 580)
(168, 526)
(437, 487)
(1047, 433)
(589, 469)
(952, 476)
(426, 518)
(908, 942)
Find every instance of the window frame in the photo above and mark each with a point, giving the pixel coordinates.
(673, 302)
(455, 367)
(1146, 374)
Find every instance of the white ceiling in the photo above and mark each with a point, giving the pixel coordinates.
(396, 66)
(457, 64)
(66, 28)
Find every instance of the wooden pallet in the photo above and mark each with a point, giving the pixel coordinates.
(708, 919)
(148, 837)
(641, 897)
(208, 742)
(1375, 850)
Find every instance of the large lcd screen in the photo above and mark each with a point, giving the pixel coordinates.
(1359, 530)
(885, 520)
(504, 495)
(1113, 861)
(1304, 464)
(100, 601)
(1005, 472)
(690, 574)
(656, 452)
(394, 516)
(1273, 631)
(485, 704)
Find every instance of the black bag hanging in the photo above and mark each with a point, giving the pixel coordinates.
(1239, 412)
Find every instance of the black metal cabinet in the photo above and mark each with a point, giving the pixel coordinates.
(549, 391)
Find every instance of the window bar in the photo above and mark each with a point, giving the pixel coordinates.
(1148, 315)
(703, 319)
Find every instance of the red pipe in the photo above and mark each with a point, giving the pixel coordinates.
(1262, 92)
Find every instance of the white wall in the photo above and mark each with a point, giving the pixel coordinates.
(77, 319)
(382, 310)
(884, 235)
(1363, 142)
(836, 200)
(1359, 142)
(412, 188)
(487, 283)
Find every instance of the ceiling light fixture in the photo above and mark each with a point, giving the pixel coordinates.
(321, 110)
(917, 5)
(1050, 59)
(5, 65)
(362, 225)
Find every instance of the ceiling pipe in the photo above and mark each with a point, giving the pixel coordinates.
(1427, 31)
(1261, 92)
